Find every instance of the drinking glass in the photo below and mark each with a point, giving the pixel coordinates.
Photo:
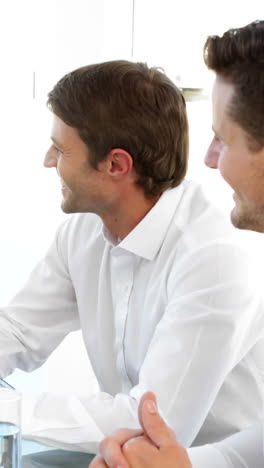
(10, 435)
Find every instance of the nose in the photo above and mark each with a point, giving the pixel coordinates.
(50, 159)
(212, 155)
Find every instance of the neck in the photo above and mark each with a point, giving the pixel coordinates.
(128, 213)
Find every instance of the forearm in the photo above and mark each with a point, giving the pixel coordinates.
(76, 423)
(242, 450)
(207, 456)
(31, 328)
(38, 317)
(12, 350)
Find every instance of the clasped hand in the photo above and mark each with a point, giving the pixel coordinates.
(155, 446)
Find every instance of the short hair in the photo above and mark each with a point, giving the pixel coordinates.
(122, 104)
(238, 58)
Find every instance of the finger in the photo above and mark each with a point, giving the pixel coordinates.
(137, 444)
(147, 396)
(140, 451)
(111, 447)
(122, 435)
(152, 423)
(98, 462)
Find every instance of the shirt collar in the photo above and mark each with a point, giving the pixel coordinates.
(147, 237)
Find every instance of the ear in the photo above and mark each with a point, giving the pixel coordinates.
(119, 163)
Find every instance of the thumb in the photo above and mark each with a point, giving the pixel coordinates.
(152, 423)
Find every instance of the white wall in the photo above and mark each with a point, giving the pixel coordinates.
(49, 38)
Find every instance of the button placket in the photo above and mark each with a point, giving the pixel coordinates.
(122, 282)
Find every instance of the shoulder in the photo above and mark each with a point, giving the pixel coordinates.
(80, 228)
(200, 233)
(199, 220)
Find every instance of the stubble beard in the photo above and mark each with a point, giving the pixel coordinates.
(247, 218)
(68, 206)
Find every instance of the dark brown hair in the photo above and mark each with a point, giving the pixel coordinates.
(122, 104)
(238, 58)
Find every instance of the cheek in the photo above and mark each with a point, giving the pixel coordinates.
(225, 167)
(62, 169)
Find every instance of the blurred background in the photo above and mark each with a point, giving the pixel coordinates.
(40, 41)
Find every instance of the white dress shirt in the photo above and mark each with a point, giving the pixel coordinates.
(171, 308)
(242, 450)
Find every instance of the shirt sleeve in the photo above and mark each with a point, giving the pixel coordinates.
(208, 456)
(212, 320)
(242, 450)
(39, 316)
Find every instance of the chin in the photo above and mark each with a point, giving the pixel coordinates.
(248, 220)
(67, 207)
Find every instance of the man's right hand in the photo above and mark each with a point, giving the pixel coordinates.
(155, 447)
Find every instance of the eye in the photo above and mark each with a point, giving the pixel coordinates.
(58, 150)
(217, 139)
